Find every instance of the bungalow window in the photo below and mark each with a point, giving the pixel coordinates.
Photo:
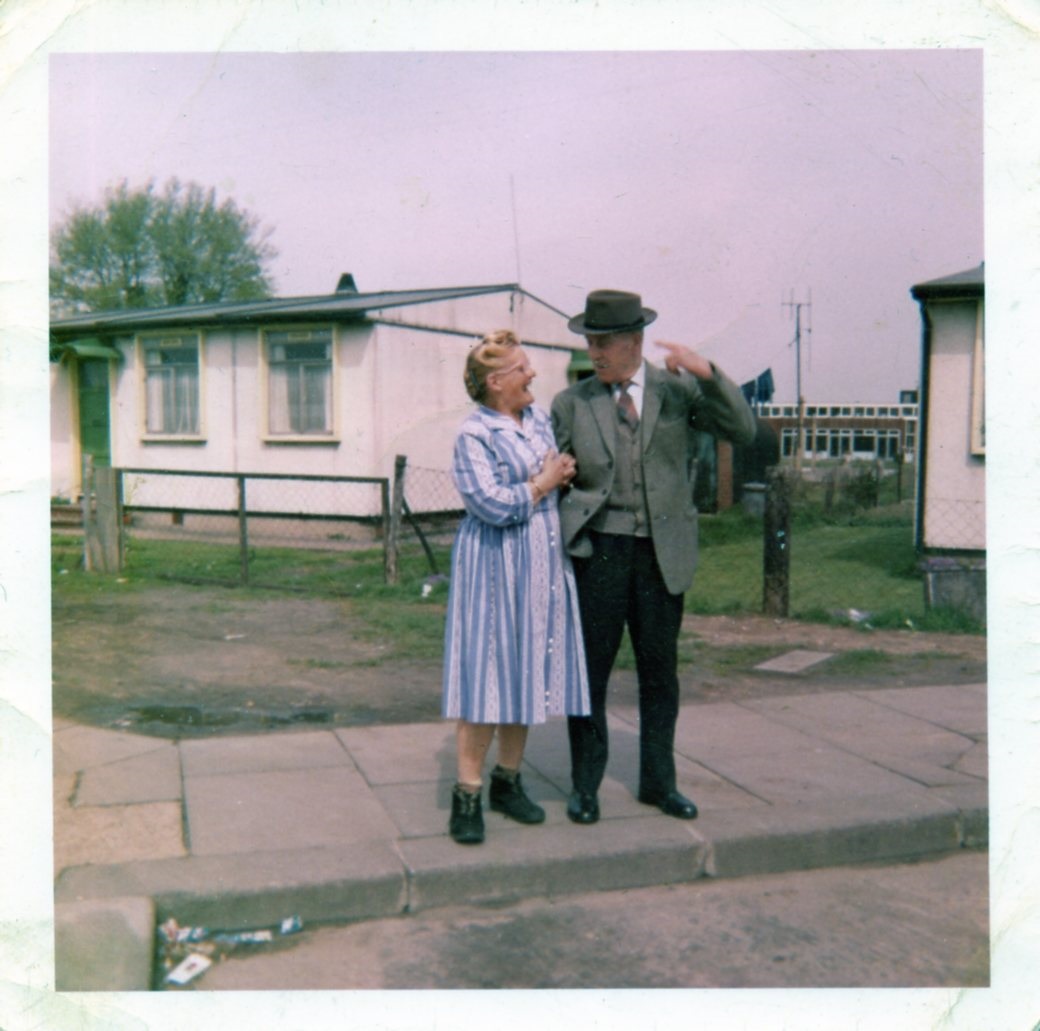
(171, 369)
(299, 367)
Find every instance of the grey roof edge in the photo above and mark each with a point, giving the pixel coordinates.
(968, 284)
(551, 307)
(312, 306)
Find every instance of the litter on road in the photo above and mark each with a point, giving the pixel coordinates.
(187, 952)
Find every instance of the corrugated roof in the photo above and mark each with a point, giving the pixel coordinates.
(969, 283)
(342, 305)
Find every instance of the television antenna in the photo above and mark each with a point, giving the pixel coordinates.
(516, 227)
(796, 308)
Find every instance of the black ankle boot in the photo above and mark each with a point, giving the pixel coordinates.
(507, 796)
(467, 819)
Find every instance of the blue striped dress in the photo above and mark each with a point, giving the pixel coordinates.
(513, 647)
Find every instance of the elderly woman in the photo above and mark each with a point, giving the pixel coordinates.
(513, 645)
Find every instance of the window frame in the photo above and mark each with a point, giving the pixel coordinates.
(331, 434)
(147, 342)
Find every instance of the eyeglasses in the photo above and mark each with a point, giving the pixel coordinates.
(521, 366)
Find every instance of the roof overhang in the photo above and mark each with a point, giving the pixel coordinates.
(967, 285)
(85, 347)
(342, 307)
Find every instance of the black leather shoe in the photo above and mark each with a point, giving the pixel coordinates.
(672, 804)
(582, 807)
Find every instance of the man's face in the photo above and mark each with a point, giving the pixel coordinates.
(615, 356)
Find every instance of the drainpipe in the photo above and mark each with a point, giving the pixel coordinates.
(922, 424)
(234, 397)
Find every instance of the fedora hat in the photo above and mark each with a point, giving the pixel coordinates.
(611, 311)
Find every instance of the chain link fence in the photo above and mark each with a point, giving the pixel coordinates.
(827, 540)
(267, 530)
(837, 544)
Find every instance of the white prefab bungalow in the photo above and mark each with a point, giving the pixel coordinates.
(951, 508)
(330, 385)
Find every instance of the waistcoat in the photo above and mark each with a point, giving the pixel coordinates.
(625, 511)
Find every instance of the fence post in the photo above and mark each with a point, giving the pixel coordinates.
(393, 535)
(776, 552)
(89, 530)
(243, 530)
(101, 536)
(120, 519)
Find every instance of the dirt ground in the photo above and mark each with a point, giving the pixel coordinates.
(183, 661)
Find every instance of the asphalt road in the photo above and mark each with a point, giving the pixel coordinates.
(922, 925)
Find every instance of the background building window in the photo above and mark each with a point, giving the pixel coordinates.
(299, 367)
(171, 367)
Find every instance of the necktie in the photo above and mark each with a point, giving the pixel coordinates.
(626, 406)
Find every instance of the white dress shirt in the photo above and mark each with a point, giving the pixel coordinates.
(635, 389)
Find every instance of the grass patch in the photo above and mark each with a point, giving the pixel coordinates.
(317, 663)
(729, 658)
(859, 661)
(840, 567)
(841, 564)
(716, 659)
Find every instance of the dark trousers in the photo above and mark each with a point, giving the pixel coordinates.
(621, 584)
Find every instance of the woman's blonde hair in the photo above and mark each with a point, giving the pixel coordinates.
(488, 356)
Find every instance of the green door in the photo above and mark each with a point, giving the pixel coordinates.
(94, 436)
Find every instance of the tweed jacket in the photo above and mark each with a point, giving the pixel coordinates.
(585, 422)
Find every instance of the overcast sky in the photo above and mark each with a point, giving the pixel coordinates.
(716, 184)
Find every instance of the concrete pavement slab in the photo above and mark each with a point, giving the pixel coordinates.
(104, 945)
(975, 761)
(928, 774)
(80, 747)
(794, 662)
(400, 754)
(862, 726)
(556, 859)
(248, 812)
(706, 732)
(117, 833)
(960, 707)
(153, 776)
(262, 752)
(693, 779)
(816, 774)
(355, 882)
(548, 752)
(421, 810)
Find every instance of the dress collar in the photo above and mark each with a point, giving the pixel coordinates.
(500, 421)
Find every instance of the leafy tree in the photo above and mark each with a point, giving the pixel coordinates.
(142, 249)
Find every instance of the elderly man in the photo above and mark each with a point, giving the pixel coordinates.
(630, 525)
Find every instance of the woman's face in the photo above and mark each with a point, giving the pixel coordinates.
(510, 386)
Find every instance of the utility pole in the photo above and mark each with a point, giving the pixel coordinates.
(798, 306)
